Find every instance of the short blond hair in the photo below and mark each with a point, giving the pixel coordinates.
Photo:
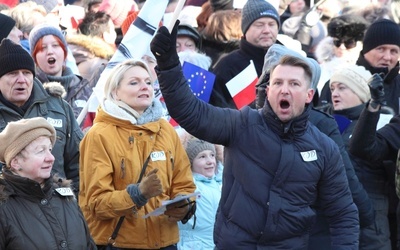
(117, 74)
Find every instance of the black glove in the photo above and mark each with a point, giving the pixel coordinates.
(375, 84)
(163, 46)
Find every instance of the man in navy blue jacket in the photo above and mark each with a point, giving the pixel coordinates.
(277, 165)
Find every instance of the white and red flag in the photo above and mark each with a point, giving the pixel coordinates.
(243, 86)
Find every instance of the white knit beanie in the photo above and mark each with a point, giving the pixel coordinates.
(355, 77)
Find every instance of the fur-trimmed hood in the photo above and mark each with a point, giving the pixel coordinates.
(55, 89)
(88, 46)
(325, 50)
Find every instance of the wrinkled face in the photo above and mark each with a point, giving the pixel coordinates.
(343, 97)
(16, 86)
(205, 163)
(384, 56)
(135, 89)
(262, 32)
(288, 92)
(35, 161)
(185, 43)
(50, 59)
(15, 35)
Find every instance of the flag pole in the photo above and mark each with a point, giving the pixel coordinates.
(175, 16)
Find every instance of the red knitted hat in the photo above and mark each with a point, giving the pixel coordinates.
(128, 21)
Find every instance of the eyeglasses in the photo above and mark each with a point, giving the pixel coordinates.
(349, 44)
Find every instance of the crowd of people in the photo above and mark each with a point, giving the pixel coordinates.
(311, 161)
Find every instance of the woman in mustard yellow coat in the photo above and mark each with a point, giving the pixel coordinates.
(128, 135)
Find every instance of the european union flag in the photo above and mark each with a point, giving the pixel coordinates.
(200, 80)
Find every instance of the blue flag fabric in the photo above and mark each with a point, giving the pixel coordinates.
(342, 121)
(200, 80)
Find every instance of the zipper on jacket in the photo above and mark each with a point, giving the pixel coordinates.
(171, 158)
(122, 168)
(130, 140)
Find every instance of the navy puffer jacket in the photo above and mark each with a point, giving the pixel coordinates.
(274, 173)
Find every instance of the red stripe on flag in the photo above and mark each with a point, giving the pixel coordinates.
(246, 95)
(173, 122)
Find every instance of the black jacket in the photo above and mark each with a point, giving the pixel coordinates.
(374, 145)
(327, 125)
(273, 173)
(32, 217)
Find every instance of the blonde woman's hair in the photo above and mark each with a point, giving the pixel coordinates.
(117, 74)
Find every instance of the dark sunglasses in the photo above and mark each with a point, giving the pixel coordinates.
(349, 44)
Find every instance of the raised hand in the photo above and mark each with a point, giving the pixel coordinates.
(150, 185)
(163, 46)
(375, 84)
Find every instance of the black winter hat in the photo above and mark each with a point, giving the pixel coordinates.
(348, 26)
(14, 57)
(221, 5)
(6, 25)
(255, 9)
(383, 31)
(188, 30)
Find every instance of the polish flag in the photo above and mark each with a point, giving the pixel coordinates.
(243, 86)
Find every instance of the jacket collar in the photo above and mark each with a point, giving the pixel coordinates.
(23, 187)
(389, 75)
(202, 178)
(153, 113)
(38, 95)
(352, 113)
(255, 53)
(294, 128)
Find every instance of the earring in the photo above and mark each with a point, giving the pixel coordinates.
(20, 169)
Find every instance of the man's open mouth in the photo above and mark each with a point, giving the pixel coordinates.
(284, 104)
